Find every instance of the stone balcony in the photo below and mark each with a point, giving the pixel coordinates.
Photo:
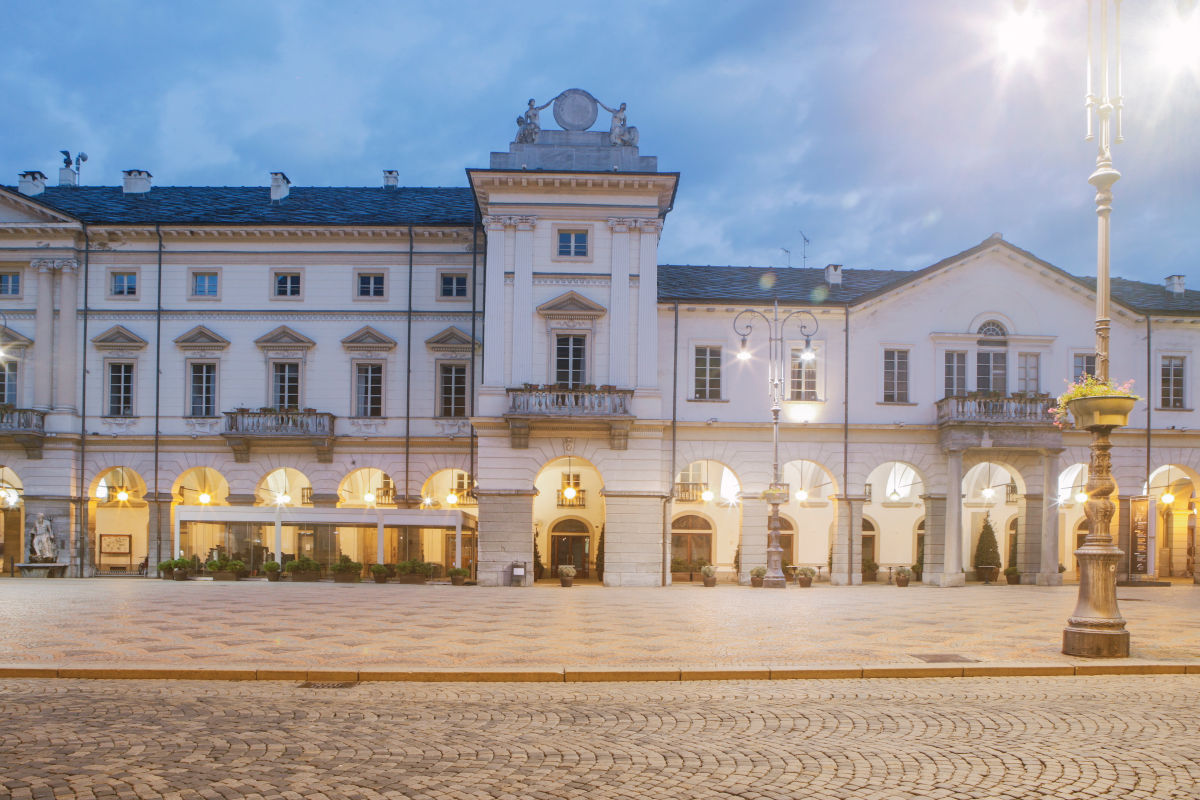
(25, 427)
(572, 408)
(1016, 421)
(244, 428)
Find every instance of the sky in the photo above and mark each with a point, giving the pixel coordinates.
(889, 133)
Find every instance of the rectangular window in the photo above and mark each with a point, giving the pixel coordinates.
(572, 244)
(569, 360)
(991, 371)
(1172, 382)
(803, 378)
(956, 373)
(368, 390)
(1083, 364)
(708, 373)
(124, 284)
(285, 384)
(204, 284)
(10, 284)
(287, 284)
(895, 376)
(8, 383)
(203, 391)
(120, 390)
(454, 284)
(1029, 368)
(452, 390)
(370, 284)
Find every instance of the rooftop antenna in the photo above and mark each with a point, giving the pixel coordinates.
(789, 256)
(80, 157)
(804, 249)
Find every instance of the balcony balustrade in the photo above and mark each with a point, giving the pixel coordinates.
(689, 492)
(552, 406)
(984, 410)
(25, 427)
(243, 427)
(578, 501)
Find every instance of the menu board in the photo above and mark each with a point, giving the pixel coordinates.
(1139, 535)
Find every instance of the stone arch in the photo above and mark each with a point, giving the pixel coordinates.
(201, 485)
(284, 486)
(366, 487)
(569, 485)
(118, 519)
(12, 519)
(894, 506)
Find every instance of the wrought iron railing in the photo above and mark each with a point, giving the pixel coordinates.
(570, 402)
(22, 420)
(689, 492)
(1013, 410)
(279, 423)
(578, 501)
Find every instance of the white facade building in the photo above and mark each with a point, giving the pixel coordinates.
(514, 352)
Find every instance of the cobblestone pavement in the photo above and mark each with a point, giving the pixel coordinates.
(130, 622)
(1129, 737)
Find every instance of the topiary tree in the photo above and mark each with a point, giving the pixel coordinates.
(538, 566)
(600, 555)
(987, 552)
(1012, 549)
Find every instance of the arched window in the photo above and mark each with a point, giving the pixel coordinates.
(570, 526)
(691, 543)
(992, 328)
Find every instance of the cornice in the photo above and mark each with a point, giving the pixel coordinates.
(257, 315)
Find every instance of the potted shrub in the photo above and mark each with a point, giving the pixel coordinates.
(458, 575)
(987, 553)
(681, 571)
(870, 570)
(182, 567)
(346, 571)
(804, 577)
(756, 576)
(903, 576)
(303, 569)
(271, 570)
(379, 572)
(566, 575)
(1092, 402)
(710, 575)
(167, 568)
(223, 569)
(1012, 575)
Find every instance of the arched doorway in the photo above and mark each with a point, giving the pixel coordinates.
(119, 521)
(570, 545)
(713, 490)
(1173, 494)
(570, 490)
(205, 486)
(893, 506)
(691, 546)
(991, 493)
(12, 521)
(810, 487)
(285, 488)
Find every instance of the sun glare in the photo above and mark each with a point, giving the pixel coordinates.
(1177, 44)
(1020, 35)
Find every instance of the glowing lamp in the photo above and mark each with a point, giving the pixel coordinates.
(894, 496)
(102, 492)
(801, 495)
(452, 499)
(743, 353)
(1081, 497)
(368, 497)
(706, 495)
(569, 493)
(988, 493)
(122, 495)
(283, 499)
(205, 498)
(1168, 498)
(807, 353)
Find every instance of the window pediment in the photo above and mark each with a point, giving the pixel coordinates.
(368, 340)
(201, 338)
(571, 305)
(11, 340)
(284, 338)
(119, 337)
(451, 340)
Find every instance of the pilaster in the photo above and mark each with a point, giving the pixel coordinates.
(494, 302)
(753, 537)
(506, 536)
(633, 533)
(935, 526)
(522, 313)
(1029, 537)
(950, 535)
(1048, 574)
(847, 542)
(66, 339)
(43, 335)
(647, 327)
(618, 303)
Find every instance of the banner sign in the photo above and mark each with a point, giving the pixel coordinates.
(1139, 535)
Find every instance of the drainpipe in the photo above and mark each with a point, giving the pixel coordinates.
(846, 435)
(1151, 565)
(82, 491)
(408, 373)
(157, 399)
(471, 377)
(666, 535)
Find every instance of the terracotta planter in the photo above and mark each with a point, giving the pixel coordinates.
(756, 581)
(710, 582)
(410, 578)
(226, 575)
(380, 578)
(273, 577)
(804, 581)
(987, 574)
(901, 580)
(305, 577)
(167, 574)
(180, 575)
(566, 582)
(345, 577)
(458, 580)
(1107, 410)
(1013, 580)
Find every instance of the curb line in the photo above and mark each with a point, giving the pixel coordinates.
(573, 675)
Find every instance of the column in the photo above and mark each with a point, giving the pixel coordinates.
(505, 535)
(951, 532)
(618, 304)
(1048, 574)
(494, 302)
(847, 542)
(522, 320)
(753, 537)
(1029, 536)
(647, 327)
(633, 533)
(160, 536)
(66, 381)
(934, 554)
(43, 334)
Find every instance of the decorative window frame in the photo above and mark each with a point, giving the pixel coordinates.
(301, 374)
(276, 271)
(106, 397)
(187, 393)
(359, 298)
(693, 345)
(191, 283)
(284, 344)
(110, 272)
(881, 374)
(1159, 355)
(452, 361)
(453, 271)
(380, 362)
(573, 227)
(19, 271)
(818, 347)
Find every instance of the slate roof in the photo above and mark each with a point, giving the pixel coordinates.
(251, 205)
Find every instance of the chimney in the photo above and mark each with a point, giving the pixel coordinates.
(280, 186)
(391, 179)
(67, 177)
(1174, 284)
(137, 181)
(833, 274)
(32, 183)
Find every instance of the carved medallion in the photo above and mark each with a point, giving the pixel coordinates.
(575, 110)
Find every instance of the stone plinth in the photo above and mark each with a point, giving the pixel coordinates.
(43, 570)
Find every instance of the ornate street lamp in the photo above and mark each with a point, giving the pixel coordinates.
(777, 493)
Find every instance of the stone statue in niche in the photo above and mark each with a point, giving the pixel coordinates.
(620, 134)
(529, 123)
(45, 548)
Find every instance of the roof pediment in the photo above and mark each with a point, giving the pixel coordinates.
(19, 209)
(284, 338)
(571, 305)
(451, 340)
(118, 337)
(368, 340)
(201, 338)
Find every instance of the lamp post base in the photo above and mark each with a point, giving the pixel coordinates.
(1091, 643)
